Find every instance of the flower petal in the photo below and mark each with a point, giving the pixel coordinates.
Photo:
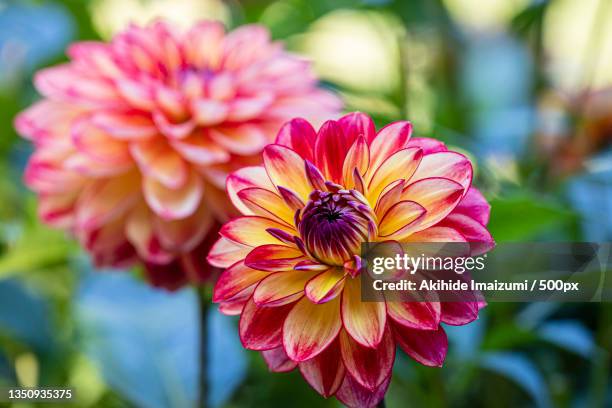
(97, 144)
(261, 327)
(459, 313)
(265, 203)
(198, 149)
(125, 125)
(357, 124)
(358, 157)
(159, 161)
(396, 222)
(104, 200)
(298, 135)
(474, 205)
(326, 285)
(427, 347)
(310, 328)
(277, 360)
(174, 203)
(364, 321)
(324, 372)
(438, 196)
(251, 231)
(243, 139)
(370, 367)
(354, 395)
(450, 165)
(235, 279)
(473, 231)
(281, 287)
(416, 315)
(225, 253)
(183, 235)
(389, 140)
(331, 148)
(247, 177)
(427, 144)
(274, 258)
(399, 166)
(286, 168)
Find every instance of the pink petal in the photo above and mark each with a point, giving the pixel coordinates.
(198, 149)
(139, 230)
(281, 288)
(298, 135)
(273, 258)
(244, 139)
(401, 220)
(389, 140)
(208, 112)
(125, 125)
(160, 162)
(399, 166)
(428, 145)
(277, 360)
(474, 205)
(326, 285)
(450, 165)
(225, 253)
(265, 203)
(105, 200)
(234, 280)
(247, 177)
(95, 143)
(324, 372)
(358, 157)
(261, 327)
(310, 328)
(415, 315)
(427, 347)
(364, 321)
(331, 148)
(174, 203)
(210, 33)
(459, 313)
(357, 124)
(370, 367)
(183, 235)
(287, 169)
(354, 395)
(251, 231)
(438, 196)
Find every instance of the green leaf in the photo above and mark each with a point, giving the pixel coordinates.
(525, 216)
(37, 247)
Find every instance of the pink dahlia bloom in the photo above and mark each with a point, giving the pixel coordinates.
(134, 138)
(293, 259)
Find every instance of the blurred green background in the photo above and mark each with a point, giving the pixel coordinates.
(522, 86)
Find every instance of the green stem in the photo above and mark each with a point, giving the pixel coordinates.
(381, 404)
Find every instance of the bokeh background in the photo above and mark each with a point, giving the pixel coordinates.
(522, 86)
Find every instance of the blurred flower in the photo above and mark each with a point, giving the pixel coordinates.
(134, 138)
(344, 43)
(293, 264)
(112, 16)
(573, 129)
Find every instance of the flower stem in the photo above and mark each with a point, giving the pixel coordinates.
(203, 304)
(381, 404)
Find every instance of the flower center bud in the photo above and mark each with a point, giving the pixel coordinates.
(334, 224)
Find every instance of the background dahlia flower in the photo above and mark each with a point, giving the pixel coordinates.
(293, 265)
(134, 138)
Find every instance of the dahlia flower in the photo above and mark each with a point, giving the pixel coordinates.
(134, 138)
(293, 259)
